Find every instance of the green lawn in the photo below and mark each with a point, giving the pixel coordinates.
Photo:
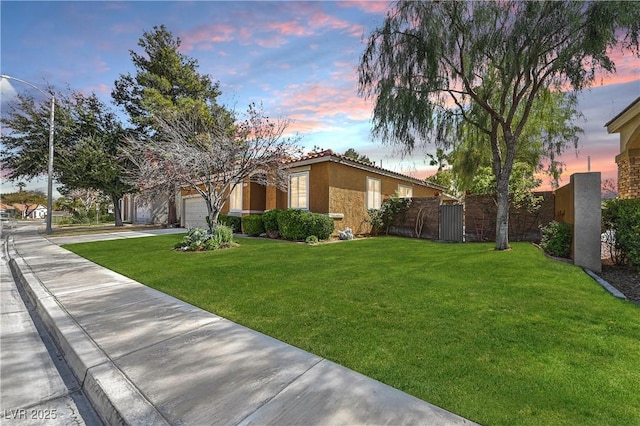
(498, 337)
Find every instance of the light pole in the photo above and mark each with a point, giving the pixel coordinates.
(48, 229)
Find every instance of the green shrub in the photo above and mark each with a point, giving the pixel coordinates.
(319, 225)
(311, 239)
(391, 210)
(232, 221)
(270, 220)
(621, 220)
(290, 224)
(556, 239)
(252, 225)
(298, 225)
(199, 239)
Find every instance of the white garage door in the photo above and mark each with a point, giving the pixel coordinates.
(195, 212)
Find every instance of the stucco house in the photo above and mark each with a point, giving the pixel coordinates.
(627, 124)
(321, 182)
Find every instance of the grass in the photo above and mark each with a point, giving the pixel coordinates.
(498, 337)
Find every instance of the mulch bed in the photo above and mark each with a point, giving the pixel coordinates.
(624, 278)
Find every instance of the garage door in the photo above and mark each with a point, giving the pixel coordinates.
(195, 212)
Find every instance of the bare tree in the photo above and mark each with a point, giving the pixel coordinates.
(210, 157)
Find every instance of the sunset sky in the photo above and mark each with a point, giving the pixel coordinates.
(298, 58)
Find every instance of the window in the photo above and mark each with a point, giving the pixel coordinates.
(235, 199)
(374, 193)
(299, 191)
(405, 191)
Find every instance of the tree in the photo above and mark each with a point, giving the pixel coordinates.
(352, 153)
(166, 82)
(435, 68)
(88, 138)
(207, 156)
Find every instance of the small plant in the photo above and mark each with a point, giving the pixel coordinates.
(556, 239)
(198, 239)
(346, 234)
(311, 239)
(252, 225)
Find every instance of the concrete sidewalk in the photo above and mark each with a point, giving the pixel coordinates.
(143, 357)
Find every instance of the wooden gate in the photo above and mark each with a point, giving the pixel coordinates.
(451, 222)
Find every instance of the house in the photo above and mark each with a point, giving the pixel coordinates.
(31, 211)
(627, 124)
(134, 210)
(322, 182)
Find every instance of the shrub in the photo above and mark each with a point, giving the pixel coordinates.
(252, 225)
(270, 220)
(391, 210)
(621, 221)
(199, 239)
(556, 239)
(311, 239)
(298, 225)
(231, 221)
(319, 225)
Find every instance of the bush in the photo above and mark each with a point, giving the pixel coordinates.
(298, 225)
(391, 210)
(252, 225)
(621, 220)
(556, 239)
(231, 221)
(270, 220)
(199, 239)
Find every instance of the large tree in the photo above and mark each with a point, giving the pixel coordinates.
(433, 68)
(211, 158)
(166, 81)
(87, 142)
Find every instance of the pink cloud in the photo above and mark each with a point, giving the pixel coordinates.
(290, 28)
(204, 36)
(374, 7)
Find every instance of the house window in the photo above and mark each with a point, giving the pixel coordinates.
(299, 191)
(235, 199)
(405, 191)
(374, 193)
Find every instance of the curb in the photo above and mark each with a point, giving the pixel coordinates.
(113, 396)
(611, 289)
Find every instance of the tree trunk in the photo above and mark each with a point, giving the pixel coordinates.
(502, 215)
(172, 218)
(116, 210)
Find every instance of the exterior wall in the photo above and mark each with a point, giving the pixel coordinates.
(254, 199)
(627, 124)
(629, 174)
(579, 204)
(347, 201)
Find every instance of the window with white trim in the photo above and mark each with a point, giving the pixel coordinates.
(299, 191)
(374, 193)
(405, 191)
(235, 199)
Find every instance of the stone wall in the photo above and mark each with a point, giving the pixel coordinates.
(629, 174)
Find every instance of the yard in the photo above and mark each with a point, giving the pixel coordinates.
(498, 337)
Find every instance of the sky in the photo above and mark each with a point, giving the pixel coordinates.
(298, 58)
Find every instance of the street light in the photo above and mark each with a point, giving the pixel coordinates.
(48, 229)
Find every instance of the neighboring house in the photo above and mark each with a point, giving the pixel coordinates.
(31, 211)
(627, 123)
(324, 182)
(133, 210)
